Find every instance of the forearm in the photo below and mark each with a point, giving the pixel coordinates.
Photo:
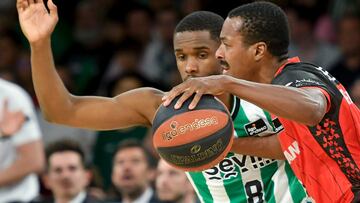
(286, 102)
(52, 95)
(22, 166)
(265, 147)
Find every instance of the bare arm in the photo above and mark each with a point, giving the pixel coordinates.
(307, 106)
(30, 159)
(58, 105)
(267, 147)
(304, 105)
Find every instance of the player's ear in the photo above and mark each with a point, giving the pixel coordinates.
(259, 50)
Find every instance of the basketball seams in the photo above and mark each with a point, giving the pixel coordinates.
(211, 162)
(193, 140)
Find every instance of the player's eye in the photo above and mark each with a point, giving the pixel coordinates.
(181, 57)
(203, 55)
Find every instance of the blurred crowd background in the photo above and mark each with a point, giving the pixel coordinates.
(106, 47)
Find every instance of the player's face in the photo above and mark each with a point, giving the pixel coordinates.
(195, 54)
(236, 57)
(171, 183)
(130, 170)
(66, 175)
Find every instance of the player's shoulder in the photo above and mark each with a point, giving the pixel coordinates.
(300, 67)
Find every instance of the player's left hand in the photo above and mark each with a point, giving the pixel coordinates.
(198, 86)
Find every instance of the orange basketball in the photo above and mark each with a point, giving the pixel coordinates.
(193, 140)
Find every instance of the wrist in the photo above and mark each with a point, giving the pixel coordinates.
(40, 44)
(227, 82)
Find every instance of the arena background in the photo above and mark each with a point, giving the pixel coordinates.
(106, 47)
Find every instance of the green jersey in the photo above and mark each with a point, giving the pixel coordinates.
(241, 178)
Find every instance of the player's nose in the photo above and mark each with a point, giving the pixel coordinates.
(220, 52)
(191, 66)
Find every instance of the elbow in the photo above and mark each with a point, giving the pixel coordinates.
(51, 118)
(316, 115)
(57, 117)
(58, 113)
(313, 122)
(47, 117)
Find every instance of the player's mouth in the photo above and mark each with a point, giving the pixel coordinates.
(225, 66)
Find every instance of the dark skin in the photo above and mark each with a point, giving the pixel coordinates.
(195, 55)
(257, 67)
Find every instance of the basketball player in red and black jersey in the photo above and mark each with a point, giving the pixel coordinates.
(321, 139)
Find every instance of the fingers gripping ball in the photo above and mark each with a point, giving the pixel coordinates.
(193, 140)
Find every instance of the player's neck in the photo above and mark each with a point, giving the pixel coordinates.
(268, 69)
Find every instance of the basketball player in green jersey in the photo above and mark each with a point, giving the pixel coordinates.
(237, 178)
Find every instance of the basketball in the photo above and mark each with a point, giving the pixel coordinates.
(193, 140)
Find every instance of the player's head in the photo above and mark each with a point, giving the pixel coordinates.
(196, 39)
(66, 174)
(172, 184)
(251, 34)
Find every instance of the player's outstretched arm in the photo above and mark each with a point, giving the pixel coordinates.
(304, 105)
(58, 105)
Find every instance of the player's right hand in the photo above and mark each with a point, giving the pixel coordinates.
(36, 22)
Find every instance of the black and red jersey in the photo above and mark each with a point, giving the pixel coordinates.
(325, 157)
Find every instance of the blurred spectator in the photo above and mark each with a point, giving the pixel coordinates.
(86, 56)
(66, 175)
(355, 92)
(159, 59)
(325, 30)
(189, 6)
(172, 185)
(53, 132)
(10, 53)
(124, 60)
(347, 69)
(133, 173)
(7, 7)
(302, 21)
(138, 24)
(158, 5)
(21, 155)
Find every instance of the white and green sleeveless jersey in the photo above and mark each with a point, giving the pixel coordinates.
(241, 178)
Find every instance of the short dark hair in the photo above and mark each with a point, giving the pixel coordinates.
(63, 146)
(264, 22)
(133, 143)
(202, 21)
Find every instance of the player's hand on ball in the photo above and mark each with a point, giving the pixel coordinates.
(198, 86)
(36, 22)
